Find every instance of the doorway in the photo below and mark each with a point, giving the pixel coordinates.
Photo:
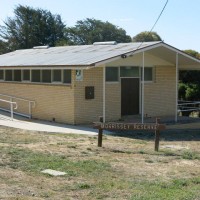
(130, 96)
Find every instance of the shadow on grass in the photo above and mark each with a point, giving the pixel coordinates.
(167, 135)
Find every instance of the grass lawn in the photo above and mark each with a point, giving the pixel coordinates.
(124, 168)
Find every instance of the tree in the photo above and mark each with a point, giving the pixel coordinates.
(190, 76)
(91, 30)
(193, 53)
(189, 86)
(146, 37)
(3, 47)
(32, 27)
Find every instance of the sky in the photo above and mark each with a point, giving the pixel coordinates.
(178, 26)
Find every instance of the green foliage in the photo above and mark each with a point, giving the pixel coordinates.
(190, 76)
(146, 37)
(89, 31)
(3, 47)
(32, 27)
(190, 155)
(193, 53)
(35, 162)
(189, 88)
(182, 87)
(189, 91)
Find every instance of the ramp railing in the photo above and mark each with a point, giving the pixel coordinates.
(187, 107)
(11, 106)
(12, 100)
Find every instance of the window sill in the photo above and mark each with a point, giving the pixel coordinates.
(36, 83)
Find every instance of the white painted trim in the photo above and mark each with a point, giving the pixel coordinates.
(144, 49)
(104, 94)
(180, 52)
(41, 68)
(176, 95)
(142, 114)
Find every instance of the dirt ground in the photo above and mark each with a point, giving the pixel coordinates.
(109, 172)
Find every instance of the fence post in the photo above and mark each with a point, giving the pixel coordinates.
(11, 110)
(29, 109)
(100, 134)
(157, 135)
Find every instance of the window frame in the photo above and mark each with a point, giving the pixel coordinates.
(57, 82)
(14, 77)
(138, 68)
(28, 81)
(63, 76)
(118, 74)
(153, 74)
(42, 73)
(3, 79)
(28, 76)
(35, 82)
(5, 75)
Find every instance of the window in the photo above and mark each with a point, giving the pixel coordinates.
(79, 75)
(57, 75)
(35, 76)
(8, 75)
(148, 74)
(112, 74)
(67, 76)
(129, 71)
(26, 75)
(17, 75)
(1, 75)
(46, 76)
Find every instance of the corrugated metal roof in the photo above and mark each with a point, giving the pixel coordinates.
(85, 55)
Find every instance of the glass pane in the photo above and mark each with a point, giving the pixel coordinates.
(35, 75)
(67, 76)
(26, 75)
(148, 74)
(112, 74)
(129, 71)
(46, 76)
(8, 76)
(57, 75)
(17, 75)
(1, 75)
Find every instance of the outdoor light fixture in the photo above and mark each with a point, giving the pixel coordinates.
(123, 56)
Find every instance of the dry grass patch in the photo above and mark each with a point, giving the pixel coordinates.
(125, 168)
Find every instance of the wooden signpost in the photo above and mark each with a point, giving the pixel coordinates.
(157, 127)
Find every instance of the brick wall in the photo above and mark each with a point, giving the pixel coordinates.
(87, 111)
(160, 96)
(52, 101)
(67, 104)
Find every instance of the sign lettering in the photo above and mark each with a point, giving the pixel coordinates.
(128, 126)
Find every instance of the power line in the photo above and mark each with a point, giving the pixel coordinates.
(154, 23)
(159, 16)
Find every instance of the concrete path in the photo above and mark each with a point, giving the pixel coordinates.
(37, 125)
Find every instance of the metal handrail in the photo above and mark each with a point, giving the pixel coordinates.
(31, 103)
(11, 106)
(183, 106)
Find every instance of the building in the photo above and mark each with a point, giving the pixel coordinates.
(78, 84)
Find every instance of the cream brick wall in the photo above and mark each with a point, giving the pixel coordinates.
(113, 101)
(87, 111)
(160, 96)
(52, 101)
(67, 104)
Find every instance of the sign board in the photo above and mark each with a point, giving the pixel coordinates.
(128, 126)
(157, 127)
